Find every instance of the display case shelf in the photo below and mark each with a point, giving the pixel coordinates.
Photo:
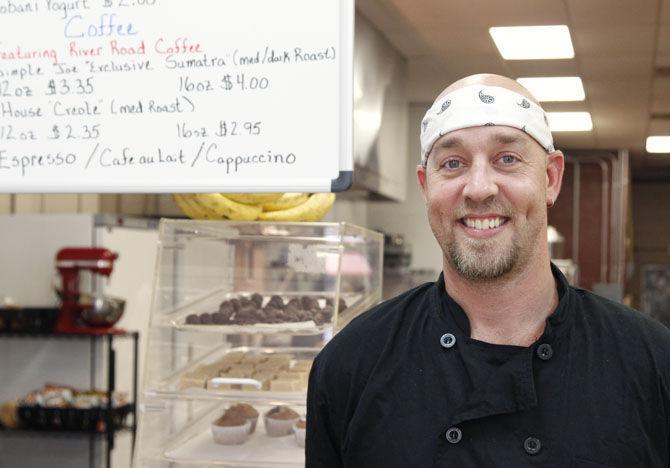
(185, 385)
(314, 324)
(259, 450)
(194, 445)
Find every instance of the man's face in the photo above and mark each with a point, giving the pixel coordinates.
(486, 190)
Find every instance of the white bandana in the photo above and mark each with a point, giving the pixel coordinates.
(478, 105)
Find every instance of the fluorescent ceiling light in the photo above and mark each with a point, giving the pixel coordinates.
(569, 121)
(658, 144)
(533, 42)
(560, 88)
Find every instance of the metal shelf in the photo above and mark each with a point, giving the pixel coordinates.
(65, 336)
(58, 434)
(109, 432)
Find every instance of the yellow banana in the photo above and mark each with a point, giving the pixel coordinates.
(221, 207)
(287, 200)
(188, 207)
(316, 206)
(253, 198)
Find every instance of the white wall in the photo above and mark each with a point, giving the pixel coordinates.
(350, 211)
(409, 217)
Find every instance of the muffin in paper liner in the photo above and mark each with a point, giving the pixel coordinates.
(248, 412)
(279, 421)
(231, 435)
(299, 432)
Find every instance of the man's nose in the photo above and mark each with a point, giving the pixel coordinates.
(481, 183)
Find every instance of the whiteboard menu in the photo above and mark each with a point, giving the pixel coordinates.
(175, 95)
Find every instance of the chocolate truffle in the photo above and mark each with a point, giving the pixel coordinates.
(257, 299)
(226, 307)
(192, 319)
(295, 302)
(276, 302)
(309, 303)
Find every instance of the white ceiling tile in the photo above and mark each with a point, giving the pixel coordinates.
(615, 90)
(664, 17)
(459, 41)
(660, 88)
(663, 42)
(638, 66)
(408, 44)
(595, 40)
(520, 68)
(574, 106)
(574, 140)
(612, 12)
(659, 127)
(487, 13)
(660, 97)
(660, 107)
(620, 121)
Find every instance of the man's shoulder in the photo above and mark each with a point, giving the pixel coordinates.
(621, 321)
(365, 336)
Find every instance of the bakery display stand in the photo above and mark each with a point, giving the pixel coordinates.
(239, 311)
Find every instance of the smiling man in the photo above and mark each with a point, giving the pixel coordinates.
(500, 362)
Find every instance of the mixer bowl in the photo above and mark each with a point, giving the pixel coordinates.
(102, 311)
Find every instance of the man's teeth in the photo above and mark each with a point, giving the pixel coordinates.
(489, 223)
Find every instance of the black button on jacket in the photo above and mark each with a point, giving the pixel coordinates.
(592, 392)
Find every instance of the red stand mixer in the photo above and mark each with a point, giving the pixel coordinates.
(79, 313)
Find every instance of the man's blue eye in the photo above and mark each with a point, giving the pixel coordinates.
(508, 159)
(453, 164)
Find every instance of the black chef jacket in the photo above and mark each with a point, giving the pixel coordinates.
(404, 385)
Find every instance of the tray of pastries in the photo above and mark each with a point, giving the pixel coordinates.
(248, 372)
(241, 434)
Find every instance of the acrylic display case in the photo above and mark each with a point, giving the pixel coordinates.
(239, 311)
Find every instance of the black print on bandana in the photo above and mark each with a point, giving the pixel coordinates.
(445, 106)
(424, 125)
(546, 120)
(489, 124)
(524, 103)
(485, 98)
(523, 129)
(550, 148)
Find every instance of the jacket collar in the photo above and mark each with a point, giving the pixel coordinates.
(556, 323)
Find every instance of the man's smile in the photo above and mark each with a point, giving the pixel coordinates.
(483, 225)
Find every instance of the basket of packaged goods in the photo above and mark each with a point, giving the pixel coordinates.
(27, 319)
(64, 408)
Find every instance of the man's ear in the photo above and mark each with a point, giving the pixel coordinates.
(555, 169)
(421, 178)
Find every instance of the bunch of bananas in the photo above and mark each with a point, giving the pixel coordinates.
(255, 206)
